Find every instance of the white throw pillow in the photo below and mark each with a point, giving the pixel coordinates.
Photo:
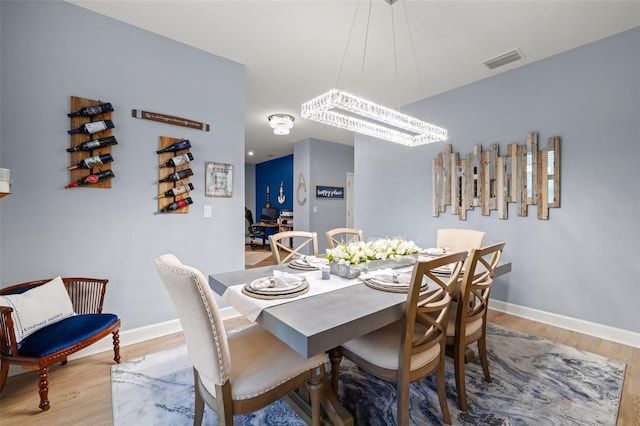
(36, 308)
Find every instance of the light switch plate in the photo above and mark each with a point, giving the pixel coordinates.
(207, 211)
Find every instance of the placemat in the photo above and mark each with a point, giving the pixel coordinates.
(275, 294)
(390, 287)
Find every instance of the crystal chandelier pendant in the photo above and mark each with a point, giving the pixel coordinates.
(341, 109)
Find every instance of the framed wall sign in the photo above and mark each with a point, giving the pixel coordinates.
(329, 192)
(218, 180)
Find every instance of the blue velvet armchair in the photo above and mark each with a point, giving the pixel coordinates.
(44, 343)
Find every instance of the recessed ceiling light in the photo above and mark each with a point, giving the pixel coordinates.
(250, 153)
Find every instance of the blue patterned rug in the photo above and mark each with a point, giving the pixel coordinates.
(535, 382)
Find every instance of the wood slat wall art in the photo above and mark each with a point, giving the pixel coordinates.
(78, 103)
(524, 176)
(163, 187)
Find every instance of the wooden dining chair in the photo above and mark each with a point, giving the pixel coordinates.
(412, 348)
(339, 236)
(459, 239)
(468, 315)
(241, 372)
(292, 244)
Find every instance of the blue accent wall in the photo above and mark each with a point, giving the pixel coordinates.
(271, 173)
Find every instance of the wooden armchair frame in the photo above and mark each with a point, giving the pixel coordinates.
(338, 236)
(309, 239)
(417, 341)
(469, 315)
(87, 297)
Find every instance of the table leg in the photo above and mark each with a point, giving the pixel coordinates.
(338, 415)
(335, 357)
(333, 413)
(469, 354)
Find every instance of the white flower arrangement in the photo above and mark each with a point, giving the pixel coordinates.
(381, 249)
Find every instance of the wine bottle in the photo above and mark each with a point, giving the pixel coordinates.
(93, 127)
(91, 179)
(178, 146)
(91, 162)
(174, 177)
(96, 143)
(177, 190)
(92, 110)
(176, 205)
(178, 160)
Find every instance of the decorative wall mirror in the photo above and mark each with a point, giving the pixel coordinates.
(484, 179)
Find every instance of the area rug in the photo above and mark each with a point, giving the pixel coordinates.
(254, 257)
(535, 382)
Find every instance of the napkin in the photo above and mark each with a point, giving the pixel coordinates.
(446, 269)
(311, 261)
(388, 275)
(279, 281)
(436, 251)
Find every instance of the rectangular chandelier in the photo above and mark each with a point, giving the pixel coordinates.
(341, 109)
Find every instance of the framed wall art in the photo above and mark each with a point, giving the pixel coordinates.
(218, 180)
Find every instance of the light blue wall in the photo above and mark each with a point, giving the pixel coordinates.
(582, 262)
(302, 190)
(53, 50)
(330, 163)
(322, 163)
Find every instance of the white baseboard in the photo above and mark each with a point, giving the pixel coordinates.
(613, 334)
(153, 331)
(133, 336)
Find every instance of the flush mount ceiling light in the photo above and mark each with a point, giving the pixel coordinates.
(340, 109)
(281, 123)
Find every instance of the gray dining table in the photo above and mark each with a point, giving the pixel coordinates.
(313, 325)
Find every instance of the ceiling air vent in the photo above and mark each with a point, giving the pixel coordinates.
(505, 59)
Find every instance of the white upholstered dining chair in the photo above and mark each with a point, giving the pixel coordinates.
(468, 315)
(292, 243)
(338, 236)
(244, 371)
(459, 239)
(412, 348)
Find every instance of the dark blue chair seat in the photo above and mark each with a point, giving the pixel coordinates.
(64, 334)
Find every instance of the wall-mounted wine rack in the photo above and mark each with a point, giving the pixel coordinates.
(77, 104)
(164, 172)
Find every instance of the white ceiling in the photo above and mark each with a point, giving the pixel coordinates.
(292, 50)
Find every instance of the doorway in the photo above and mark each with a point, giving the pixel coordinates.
(350, 199)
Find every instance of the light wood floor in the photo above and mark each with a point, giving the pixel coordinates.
(80, 392)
